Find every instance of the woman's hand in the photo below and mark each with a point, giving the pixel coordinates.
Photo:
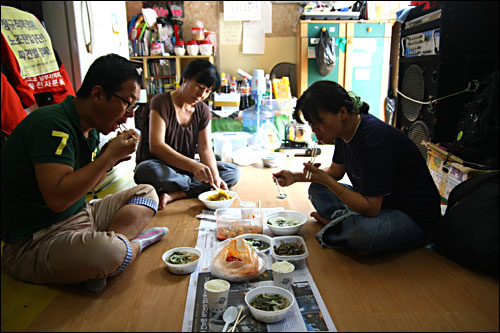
(220, 183)
(202, 173)
(285, 177)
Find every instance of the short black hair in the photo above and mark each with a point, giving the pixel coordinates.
(326, 95)
(202, 71)
(110, 72)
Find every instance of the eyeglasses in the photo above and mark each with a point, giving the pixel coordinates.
(130, 107)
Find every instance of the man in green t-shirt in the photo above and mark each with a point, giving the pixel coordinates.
(51, 161)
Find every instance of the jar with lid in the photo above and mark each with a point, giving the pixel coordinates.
(179, 48)
(198, 31)
(192, 47)
(205, 47)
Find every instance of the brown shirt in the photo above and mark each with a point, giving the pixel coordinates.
(182, 139)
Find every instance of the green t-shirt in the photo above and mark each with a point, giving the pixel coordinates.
(50, 134)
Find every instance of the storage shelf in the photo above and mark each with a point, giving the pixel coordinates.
(180, 63)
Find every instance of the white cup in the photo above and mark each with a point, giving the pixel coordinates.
(247, 209)
(283, 274)
(217, 293)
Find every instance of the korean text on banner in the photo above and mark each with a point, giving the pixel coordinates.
(29, 42)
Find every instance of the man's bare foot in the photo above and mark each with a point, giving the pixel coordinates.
(163, 201)
(169, 197)
(319, 218)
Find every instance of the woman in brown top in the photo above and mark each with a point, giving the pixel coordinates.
(177, 126)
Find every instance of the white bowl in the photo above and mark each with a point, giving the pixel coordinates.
(263, 238)
(288, 214)
(273, 160)
(213, 205)
(269, 316)
(181, 268)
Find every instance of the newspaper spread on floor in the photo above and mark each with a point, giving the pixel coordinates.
(309, 312)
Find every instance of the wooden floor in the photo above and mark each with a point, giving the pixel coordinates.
(413, 291)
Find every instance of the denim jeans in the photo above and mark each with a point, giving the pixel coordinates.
(166, 179)
(391, 230)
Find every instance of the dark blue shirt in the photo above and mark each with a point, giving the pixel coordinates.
(380, 160)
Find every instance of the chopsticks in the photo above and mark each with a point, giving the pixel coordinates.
(238, 320)
(125, 129)
(313, 156)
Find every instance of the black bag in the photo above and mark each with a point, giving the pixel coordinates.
(325, 53)
(468, 232)
(477, 129)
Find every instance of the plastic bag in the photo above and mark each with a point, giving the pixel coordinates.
(235, 260)
(325, 53)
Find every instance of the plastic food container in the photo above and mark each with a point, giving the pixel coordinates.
(205, 47)
(179, 48)
(298, 261)
(230, 224)
(238, 140)
(198, 33)
(192, 48)
(273, 159)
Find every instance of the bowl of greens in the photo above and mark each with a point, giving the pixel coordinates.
(269, 304)
(182, 260)
(259, 242)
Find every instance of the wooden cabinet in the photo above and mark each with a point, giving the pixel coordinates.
(161, 73)
(362, 51)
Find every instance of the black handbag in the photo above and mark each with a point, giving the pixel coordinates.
(325, 53)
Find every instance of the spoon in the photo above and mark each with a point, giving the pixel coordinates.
(281, 195)
(229, 316)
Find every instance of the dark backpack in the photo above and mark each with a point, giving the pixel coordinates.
(477, 129)
(468, 232)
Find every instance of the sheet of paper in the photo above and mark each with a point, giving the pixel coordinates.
(230, 32)
(253, 37)
(364, 45)
(267, 16)
(242, 10)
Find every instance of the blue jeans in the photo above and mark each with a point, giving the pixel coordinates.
(391, 230)
(166, 179)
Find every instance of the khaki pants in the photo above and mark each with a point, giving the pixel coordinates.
(76, 249)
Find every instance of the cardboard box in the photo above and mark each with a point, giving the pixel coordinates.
(447, 175)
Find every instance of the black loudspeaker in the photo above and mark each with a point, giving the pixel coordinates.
(433, 82)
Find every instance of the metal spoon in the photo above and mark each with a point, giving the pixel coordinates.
(229, 316)
(281, 195)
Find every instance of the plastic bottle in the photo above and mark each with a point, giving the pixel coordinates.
(269, 88)
(234, 85)
(267, 99)
(226, 151)
(244, 94)
(258, 87)
(224, 87)
(254, 118)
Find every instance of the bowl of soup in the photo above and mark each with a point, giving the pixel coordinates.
(269, 304)
(285, 222)
(182, 260)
